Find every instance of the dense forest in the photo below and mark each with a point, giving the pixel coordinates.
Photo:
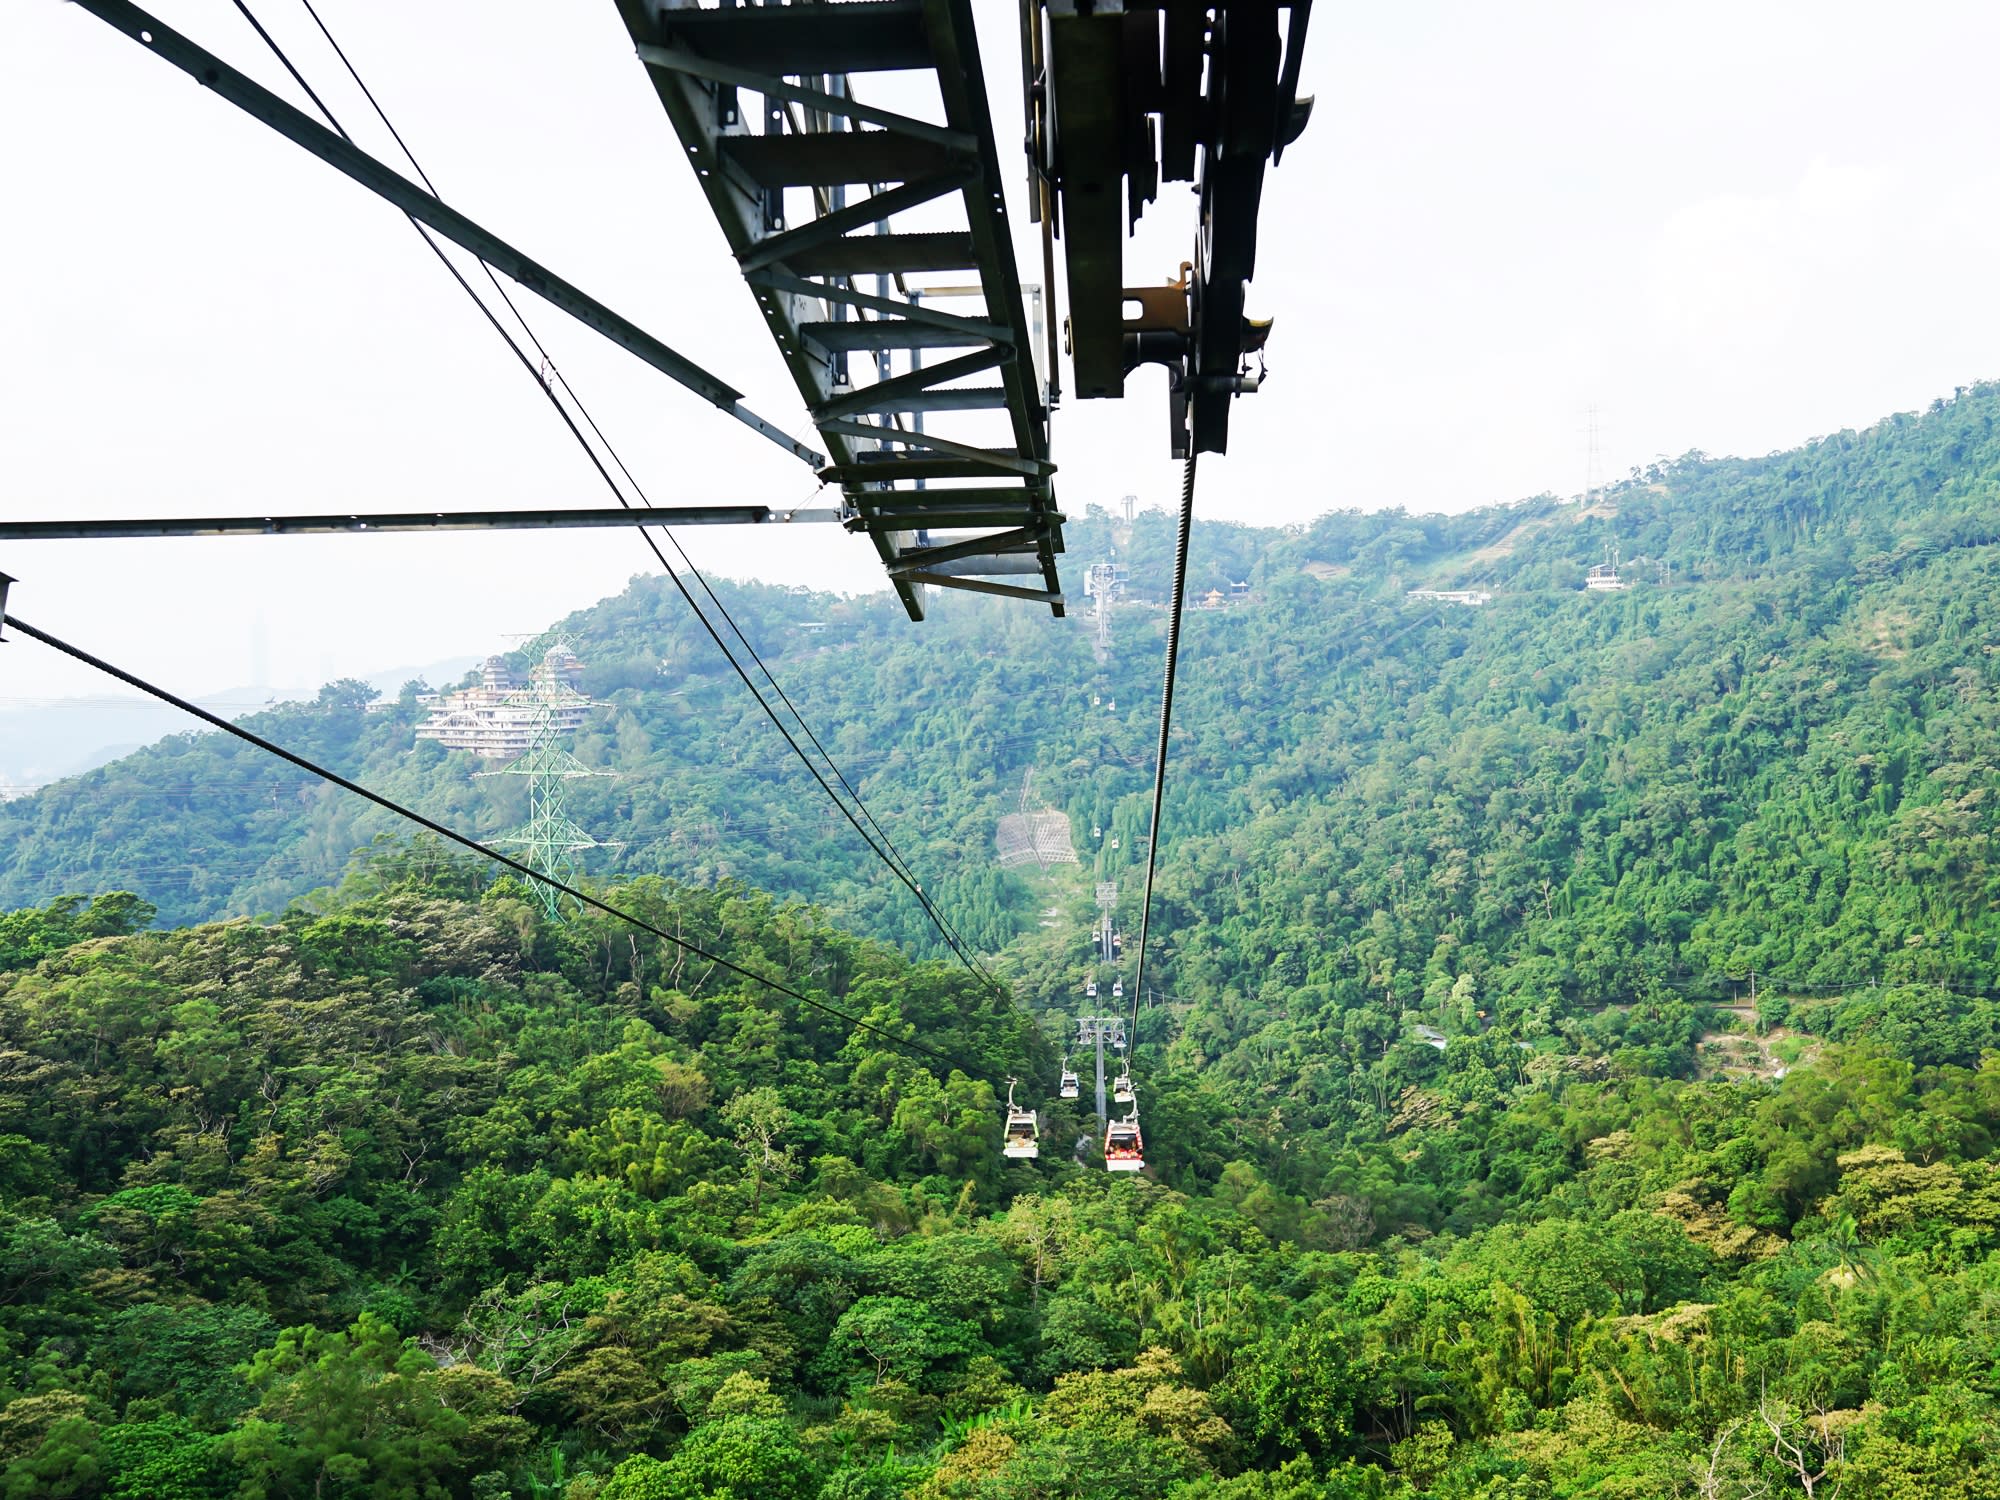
(411, 1193)
(1574, 1070)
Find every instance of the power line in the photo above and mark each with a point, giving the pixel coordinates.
(270, 747)
(896, 865)
(1160, 757)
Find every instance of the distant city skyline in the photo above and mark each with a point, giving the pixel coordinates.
(1729, 228)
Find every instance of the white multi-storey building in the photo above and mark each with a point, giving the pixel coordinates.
(503, 717)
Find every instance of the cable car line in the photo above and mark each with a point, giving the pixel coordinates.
(251, 737)
(891, 857)
(1166, 723)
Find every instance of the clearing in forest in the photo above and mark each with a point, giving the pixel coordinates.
(1033, 832)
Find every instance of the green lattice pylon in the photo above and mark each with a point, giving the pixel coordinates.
(551, 840)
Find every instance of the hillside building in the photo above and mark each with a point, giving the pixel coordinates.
(503, 717)
(1471, 598)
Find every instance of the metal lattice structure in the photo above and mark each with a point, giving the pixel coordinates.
(935, 421)
(551, 840)
(843, 215)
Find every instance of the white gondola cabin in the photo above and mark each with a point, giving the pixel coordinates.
(1069, 1088)
(1090, 989)
(1124, 1151)
(1021, 1138)
(1121, 1087)
(1117, 989)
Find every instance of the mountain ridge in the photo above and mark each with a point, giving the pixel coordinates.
(1821, 574)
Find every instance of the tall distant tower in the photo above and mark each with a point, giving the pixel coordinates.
(1104, 582)
(1593, 467)
(551, 839)
(1131, 502)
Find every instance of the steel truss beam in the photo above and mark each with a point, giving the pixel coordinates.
(413, 520)
(804, 198)
(301, 129)
(981, 586)
(681, 61)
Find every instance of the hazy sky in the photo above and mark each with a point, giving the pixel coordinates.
(1730, 226)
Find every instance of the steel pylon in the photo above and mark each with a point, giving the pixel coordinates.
(551, 839)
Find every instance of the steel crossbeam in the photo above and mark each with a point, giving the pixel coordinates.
(261, 104)
(381, 522)
(1122, 97)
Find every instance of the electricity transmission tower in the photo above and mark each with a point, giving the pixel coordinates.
(1593, 471)
(551, 839)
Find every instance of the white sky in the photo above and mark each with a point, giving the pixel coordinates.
(1730, 226)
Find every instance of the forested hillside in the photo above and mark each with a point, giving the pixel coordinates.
(409, 1194)
(1574, 1070)
(1774, 753)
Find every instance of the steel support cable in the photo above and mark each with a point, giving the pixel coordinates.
(466, 841)
(1160, 759)
(1166, 719)
(345, 157)
(897, 866)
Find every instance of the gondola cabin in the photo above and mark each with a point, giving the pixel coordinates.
(1069, 1087)
(1021, 1139)
(1117, 989)
(1121, 1088)
(1124, 1151)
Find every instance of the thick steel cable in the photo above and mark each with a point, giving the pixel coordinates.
(1166, 716)
(897, 865)
(466, 841)
(1160, 758)
(616, 458)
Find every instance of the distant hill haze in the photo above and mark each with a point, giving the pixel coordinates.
(50, 738)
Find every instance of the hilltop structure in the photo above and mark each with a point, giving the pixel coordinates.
(503, 717)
